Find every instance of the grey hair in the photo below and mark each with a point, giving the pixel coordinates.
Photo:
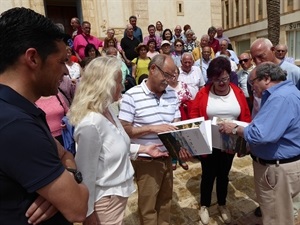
(272, 70)
(61, 27)
(190, 31)
(158, 60)
(187, 54)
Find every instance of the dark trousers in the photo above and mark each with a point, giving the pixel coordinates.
(215, 166)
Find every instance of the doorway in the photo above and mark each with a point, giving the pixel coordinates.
(61, 11)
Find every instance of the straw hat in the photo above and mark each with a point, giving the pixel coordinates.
(141, 45)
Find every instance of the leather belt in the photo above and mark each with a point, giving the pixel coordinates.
(264, 162)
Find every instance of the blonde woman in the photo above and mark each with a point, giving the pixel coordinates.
(103, 145)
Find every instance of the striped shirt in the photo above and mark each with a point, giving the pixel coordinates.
(142, 107)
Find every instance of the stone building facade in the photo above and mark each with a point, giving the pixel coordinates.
(246, 20)
(103, 14)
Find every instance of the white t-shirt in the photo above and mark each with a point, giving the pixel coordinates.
(226, 107)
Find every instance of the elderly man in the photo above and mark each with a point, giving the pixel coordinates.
(197, 52)
(274, 139)
(262, 50)
(147, 110)
(224, 49)
(137, 32)
(245, 61)
(204, 61)
(280, 52)
(177, 34)
(81, 40)
(38, 178)
(190, 74)
(220, 37)
(128, 44)
(75, 24)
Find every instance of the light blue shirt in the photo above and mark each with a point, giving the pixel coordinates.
(293, 71)
(275, 131)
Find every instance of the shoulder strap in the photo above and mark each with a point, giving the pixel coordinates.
(85, 38)
(137, 59)
(61, 91)
(60, 102)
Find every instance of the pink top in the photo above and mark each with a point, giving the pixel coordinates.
(80, 41)
(54, 112)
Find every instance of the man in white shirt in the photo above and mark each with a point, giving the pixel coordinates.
(191, 75)
(204, 61)
(146, 110)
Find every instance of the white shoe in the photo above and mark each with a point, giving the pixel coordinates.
(225, 214)
(204, 215)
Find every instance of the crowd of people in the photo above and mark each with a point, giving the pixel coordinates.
(50, 75)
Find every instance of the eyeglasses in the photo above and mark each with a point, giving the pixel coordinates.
(280, 51)
(178, 45)
(251, 82)
(166, 75)
(243, 61)
(223, 80)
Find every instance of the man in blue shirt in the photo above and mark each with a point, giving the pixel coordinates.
(274, 139)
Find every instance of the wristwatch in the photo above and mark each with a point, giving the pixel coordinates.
(234, 130)
(77, 174)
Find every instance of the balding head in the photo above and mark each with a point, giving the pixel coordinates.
(111, 51)
(262, 50)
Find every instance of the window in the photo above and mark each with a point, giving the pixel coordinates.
(260, 9)
(180, 9)
(293, 43)
(237, 12)
(227, 13)
(290, 5)
(243, 46)
(247, 10)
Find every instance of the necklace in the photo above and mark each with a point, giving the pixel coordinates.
(214, 90)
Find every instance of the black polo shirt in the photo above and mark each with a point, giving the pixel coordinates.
(128, 45)
(29, 158)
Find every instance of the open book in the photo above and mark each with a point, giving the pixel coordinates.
(194, 135)
(228, 142)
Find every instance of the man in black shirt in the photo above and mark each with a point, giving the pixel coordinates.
(38, 178)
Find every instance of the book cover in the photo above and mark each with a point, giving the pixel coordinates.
(194, 135)
(227, 142)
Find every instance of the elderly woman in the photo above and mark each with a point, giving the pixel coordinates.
(190, 42)
(103, 145)
(225, 100)
(152, 48)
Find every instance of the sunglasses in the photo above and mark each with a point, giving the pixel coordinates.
(178, 45)
(243, 61)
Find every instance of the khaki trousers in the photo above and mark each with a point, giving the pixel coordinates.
(111, 209)
(276, 186)
(155, 186)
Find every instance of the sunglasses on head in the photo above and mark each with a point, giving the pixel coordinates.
(243, 61)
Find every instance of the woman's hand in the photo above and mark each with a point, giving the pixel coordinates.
(153, 151)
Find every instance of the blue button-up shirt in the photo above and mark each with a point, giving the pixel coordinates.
(275, 131)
